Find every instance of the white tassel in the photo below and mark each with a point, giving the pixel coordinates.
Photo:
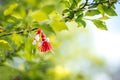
(37, 37)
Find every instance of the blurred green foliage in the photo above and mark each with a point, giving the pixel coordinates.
(19, 19)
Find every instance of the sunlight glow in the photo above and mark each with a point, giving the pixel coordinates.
(107, 45)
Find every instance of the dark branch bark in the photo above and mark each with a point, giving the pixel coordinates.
(81, 7)
(87, 4)
(84, 4)
(74, 11)
(20, 32)
(97, 3)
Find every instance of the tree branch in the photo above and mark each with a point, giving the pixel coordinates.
(20, 32)
(84, 4)
(74, 11)
(81, 7)
(97, 3)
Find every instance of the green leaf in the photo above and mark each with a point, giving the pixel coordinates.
(113, 6)
(1, 29)
(113, 1)
(99, 24)
(110, 11)
(67, 4)
(73, 5)
(81, 5)
(104, 18)
(4, 45)
(83, 22)
(79, 12)
(100, 9)
(12, 22)
(79, 17)
(71, 15)
(57, 23)
(39, 15)
(80, 21)
(19, 12)
(77, 1)
(10, 9)
(65, 11)
(92, 6)
(28, 49)
(46, 27)
(92, 13)
(48, 9)
(10, 25)
(71, 1)
(17, 39)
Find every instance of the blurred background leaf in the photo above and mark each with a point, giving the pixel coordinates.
(4, 45)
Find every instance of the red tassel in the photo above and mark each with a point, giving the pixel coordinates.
(45, 46)
(39, 31)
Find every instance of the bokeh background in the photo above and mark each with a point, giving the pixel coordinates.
(80, 53)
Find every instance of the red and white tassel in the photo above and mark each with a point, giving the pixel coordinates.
(44, 45)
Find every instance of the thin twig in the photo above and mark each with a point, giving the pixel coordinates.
(84, 4)
(81, 7)
(20, 32)
(74, 11)
(97, 3)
